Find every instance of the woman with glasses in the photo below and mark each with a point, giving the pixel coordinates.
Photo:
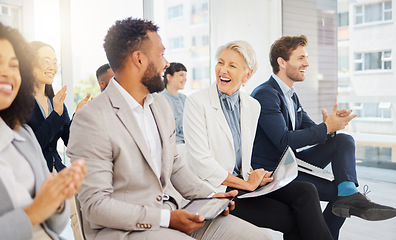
(50, 119)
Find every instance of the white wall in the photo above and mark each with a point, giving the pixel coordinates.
(258, 22)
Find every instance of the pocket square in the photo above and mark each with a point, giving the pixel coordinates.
(299, 109)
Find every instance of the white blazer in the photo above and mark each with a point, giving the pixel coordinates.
(209, 144)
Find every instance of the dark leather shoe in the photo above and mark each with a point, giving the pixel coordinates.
(360, 206)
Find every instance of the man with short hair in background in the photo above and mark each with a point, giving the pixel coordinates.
(103, 75)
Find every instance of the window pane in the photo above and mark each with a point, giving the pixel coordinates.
(372, 60)
(370, 109)
(358, 20)
(343, 19)
(358, 9)
(343, 63)
(358, 66)
(358, 56)
(388, 16)
(387, 65)
(373, 12)
(386, 112)
(388, 5)
(4, 10)
(176, 11)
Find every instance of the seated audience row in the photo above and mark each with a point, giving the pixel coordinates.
(136, 183)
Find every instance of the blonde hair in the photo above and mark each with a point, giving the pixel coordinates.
(245, 49)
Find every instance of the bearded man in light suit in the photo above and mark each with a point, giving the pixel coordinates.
(136, 182)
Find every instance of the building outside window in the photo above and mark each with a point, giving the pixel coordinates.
(343, 19)
(373, 61)
(366, 47)
(373, 12)
(10, 15)
(184, 29)
(175, 11)
(175, 43)
(374, 156)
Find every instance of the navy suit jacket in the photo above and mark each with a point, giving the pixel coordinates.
(48, 131)
(275, 132)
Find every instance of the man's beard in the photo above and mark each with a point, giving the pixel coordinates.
(152, 80)
(294, 74)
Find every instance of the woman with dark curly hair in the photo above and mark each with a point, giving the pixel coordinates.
(50, 119)
(32, 201)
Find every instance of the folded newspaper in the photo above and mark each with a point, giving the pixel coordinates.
(284, 173)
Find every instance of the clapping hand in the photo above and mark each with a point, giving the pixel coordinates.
(58, 100)
(54, 191)
(338, 119)
(86, 100)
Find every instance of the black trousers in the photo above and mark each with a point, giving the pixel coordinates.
(293, 210)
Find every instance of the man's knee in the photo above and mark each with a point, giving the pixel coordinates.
(231, 227)
(345, 140)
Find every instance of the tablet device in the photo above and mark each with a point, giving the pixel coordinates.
(209, 208)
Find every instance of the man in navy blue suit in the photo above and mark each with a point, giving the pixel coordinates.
(283, 122)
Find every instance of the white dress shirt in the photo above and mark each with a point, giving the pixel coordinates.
(148, 126)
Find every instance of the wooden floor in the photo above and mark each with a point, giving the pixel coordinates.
(382, 184)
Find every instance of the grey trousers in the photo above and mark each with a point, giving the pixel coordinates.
(223, 227)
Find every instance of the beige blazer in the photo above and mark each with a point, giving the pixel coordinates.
(209, 144)
(121, 192)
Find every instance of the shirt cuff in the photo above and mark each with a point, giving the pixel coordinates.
(165, 218)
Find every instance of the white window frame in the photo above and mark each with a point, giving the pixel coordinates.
(362, 62)
(363, 12)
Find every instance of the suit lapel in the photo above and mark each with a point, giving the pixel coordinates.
(287, 114)
(161, 126)
(29, 152)
(220, 118)
(124, 113)
(245, 133)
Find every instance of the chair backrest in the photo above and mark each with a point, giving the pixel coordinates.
(76, 219)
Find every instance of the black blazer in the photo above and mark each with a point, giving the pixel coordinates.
(48, 131)
(274, 131)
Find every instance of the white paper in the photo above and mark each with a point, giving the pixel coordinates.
(286, 172)
(313, 170)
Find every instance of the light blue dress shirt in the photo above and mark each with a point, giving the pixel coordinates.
(231, 109)
(288, 93)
